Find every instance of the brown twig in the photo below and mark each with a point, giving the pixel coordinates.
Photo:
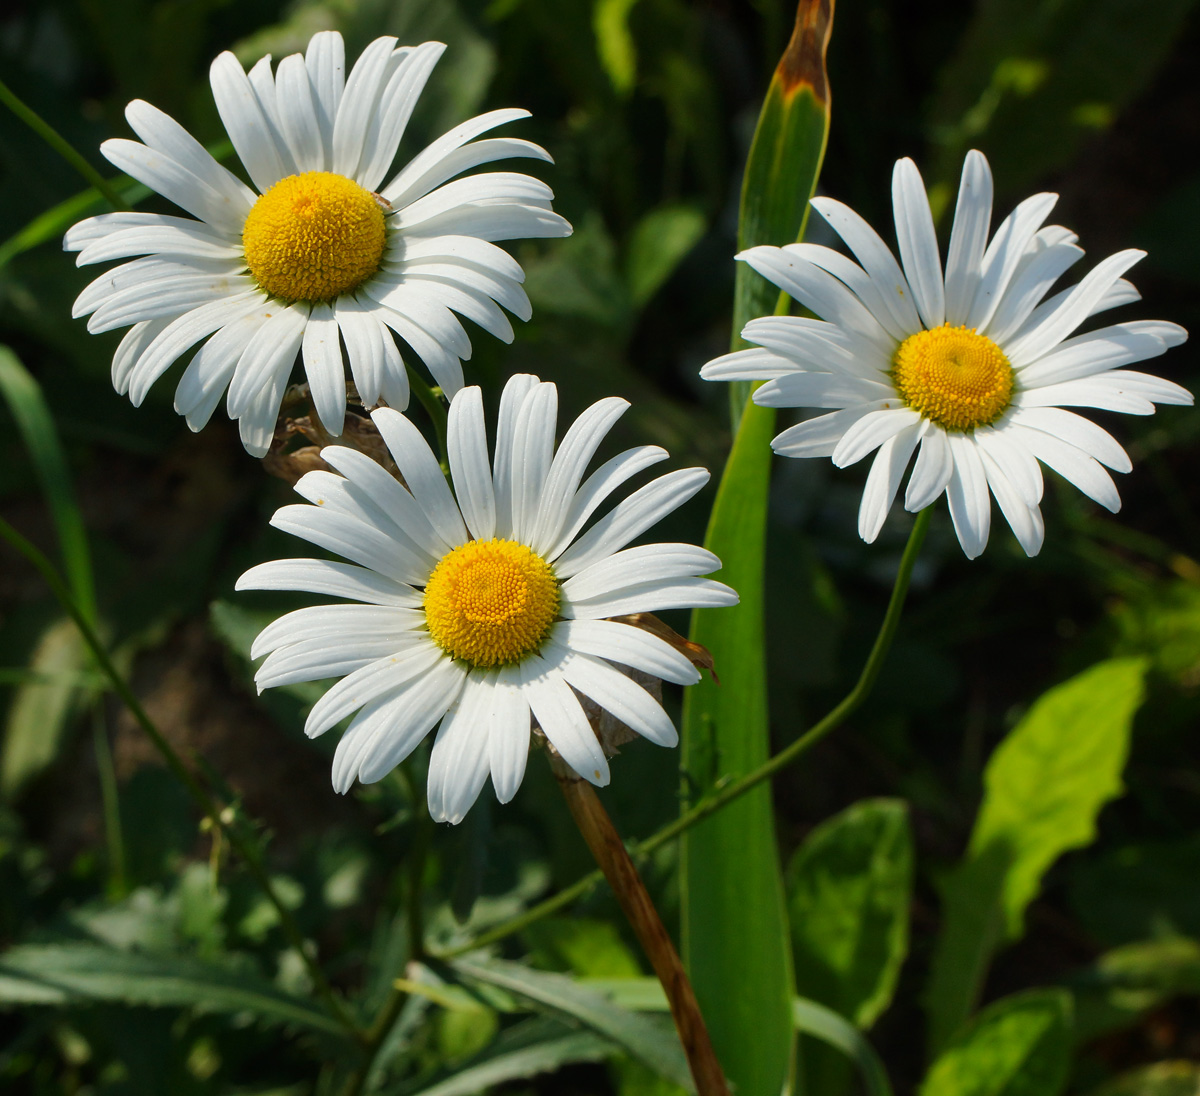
(609, 850)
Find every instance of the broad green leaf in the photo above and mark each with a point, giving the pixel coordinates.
(1032, 80)
(808, 1017)
(1043, 790)
(783, 166)
(655, 1046)
(532, 1047)
(734, 925)
(659, 243)
(588, 948)
(59, 974)
(849, 887)
(32, 416)
(41, 709)
(1018, 1046)
(1127, 982)
(614, 42)
(1160, 1079)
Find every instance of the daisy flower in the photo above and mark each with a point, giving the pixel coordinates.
(312, 257)
(971, 369)
(479, 613)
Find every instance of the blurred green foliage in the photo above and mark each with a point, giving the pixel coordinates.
(138, 957)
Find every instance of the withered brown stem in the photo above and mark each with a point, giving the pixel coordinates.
(609, 850)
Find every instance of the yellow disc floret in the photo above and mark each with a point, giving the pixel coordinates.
(953, 376)
(314, 236)
(490, 602)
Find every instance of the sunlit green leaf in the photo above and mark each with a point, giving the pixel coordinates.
(1160, 1079)
(1043, 789)
(660, 241)
(1019, 1046)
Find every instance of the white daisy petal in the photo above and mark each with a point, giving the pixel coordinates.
(1079, 432)
(325, 576)
(884, 479)
(630, 518)
(491, 220)
(167, 236)
(1031, 345)
(918, 242)
(820, 436)
(598, 486)
(270, 352)
(649, 562)
(1113, 390)
(324, 622)
(820, 390)
(1029, 286)
(321, 353)
(466, 447)
(458, 762)
(1003, 256)
(317, 659)
(1101, 350)
(356, 540)
(1025, 520)
(358, 102)
(871, 431)
(390, 118)
(562, 720)
(246, 122)
(968, 237)
(363, 337)
(511, 401)
(533, 450)
(263, 83)
(854, 278)
(298, 119)
(615, 693)
(325, 60)
(1020, 466)
(256, 425)
(967, 492)
(628, 645)
(440, 360)
(508, 733)
(876, 259)
(652, 597)
(208, 373)
(1071, 463)
(931, 472)
(131, 349)
(749, 365)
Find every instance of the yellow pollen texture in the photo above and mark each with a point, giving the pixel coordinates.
(314, 236)
(490, 602)
(953, 376)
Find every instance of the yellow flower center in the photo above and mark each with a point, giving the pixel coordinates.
(490, 602)
(954, 376)
(314, 236)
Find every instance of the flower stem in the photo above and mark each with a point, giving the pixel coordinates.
(60, 145)
(731, 791)
(209, 805)
(432, 400)
(609, 850)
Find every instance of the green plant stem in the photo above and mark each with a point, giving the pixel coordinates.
(110, 799)
(210, 807)
(431, 400)
(60, 145)
(734, 789)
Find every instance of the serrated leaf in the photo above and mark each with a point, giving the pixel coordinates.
(653, 1045)
(849, 887)
(525, 1050)
(1018, 1046)
(58, 974)
(1043, 789)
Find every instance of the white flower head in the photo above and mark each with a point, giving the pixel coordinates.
(970, 369)
(316, 258)
(475, 613)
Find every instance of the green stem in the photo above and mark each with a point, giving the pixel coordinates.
(739, 787)
(210, 807)
(110, 799)
(432, 400)
(60, 145)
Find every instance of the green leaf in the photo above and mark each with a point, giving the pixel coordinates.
(59, 974)
(1033, 79)
(849, 887)
(783, 166)
(614, 42)
(1129, 981)
(535, 1046)
(1043, 790)
(1160, 1079)
(41, 709)
(655, 1046)
(734, 926)
(659, 243)
(808, 1017)
(1018, 1046)
(32, 415)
